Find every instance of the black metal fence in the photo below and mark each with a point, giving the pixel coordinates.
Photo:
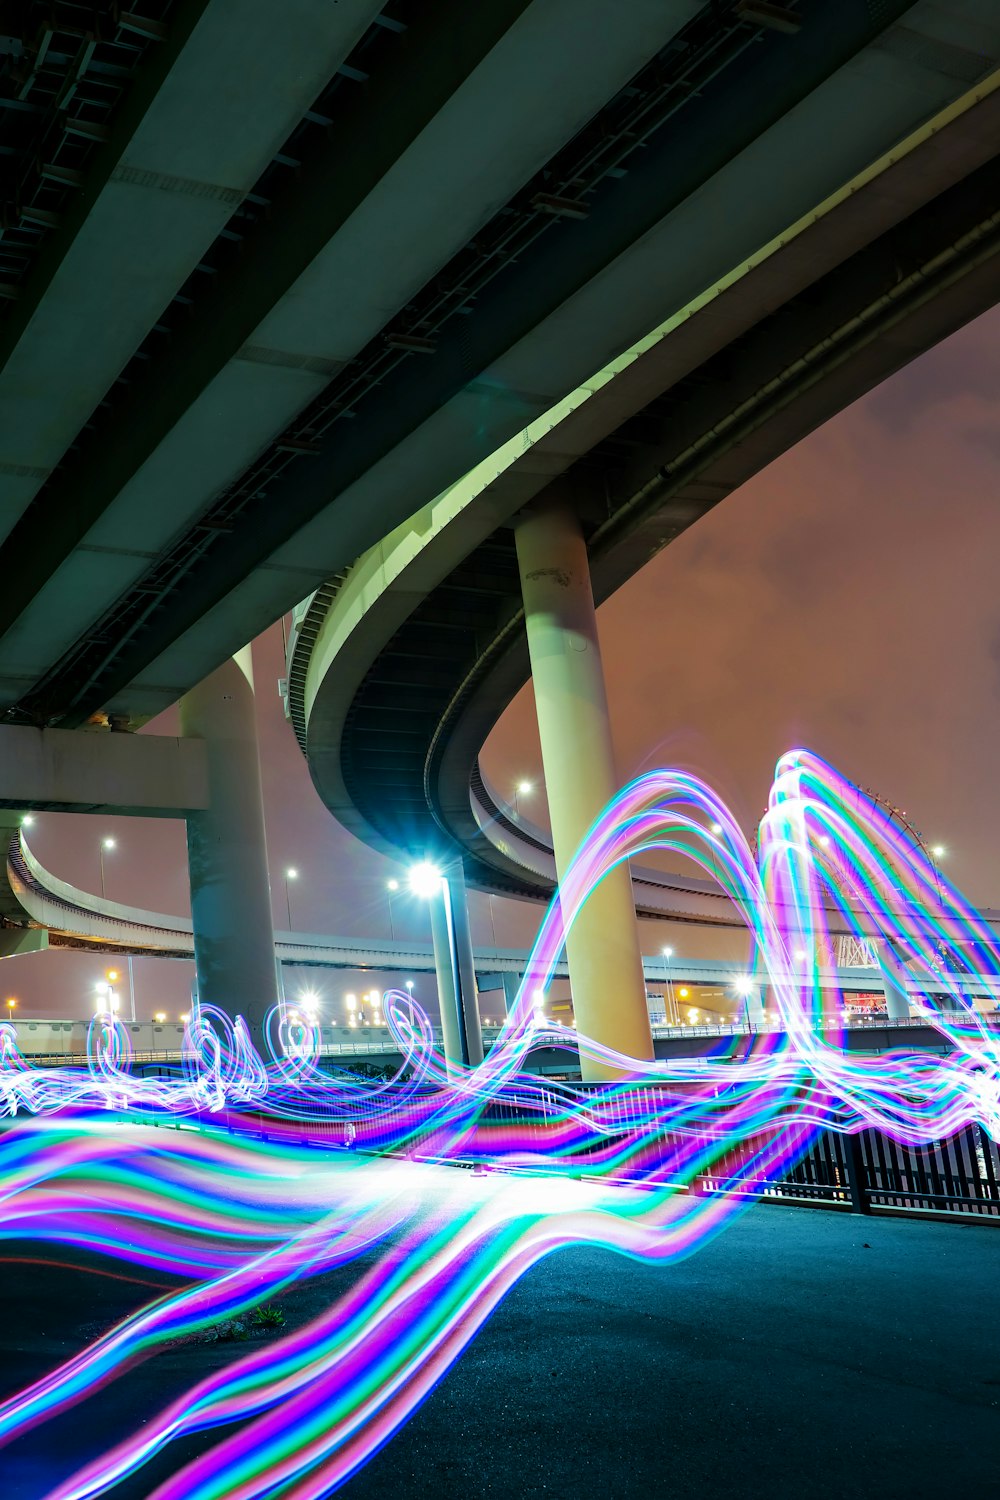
(865, 1172)
(871, 1171)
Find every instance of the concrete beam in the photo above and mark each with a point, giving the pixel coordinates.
(71, 770)
(15, 940)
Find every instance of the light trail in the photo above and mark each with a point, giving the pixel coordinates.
(245, 1220)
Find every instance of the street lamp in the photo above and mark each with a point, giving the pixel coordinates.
(668, 954)
(457, 1014)
(390, 886)
(425, 880)
(160, 1017)
(521, 789)
(27, 820)
(11, 1005)
(290, 874)
(938, 851)
(105, 844)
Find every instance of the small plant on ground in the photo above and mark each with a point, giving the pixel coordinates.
(267, 1316)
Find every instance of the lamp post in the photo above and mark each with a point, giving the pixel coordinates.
(522, 789)
(453, 964)
(11, 1006)
(290, 874)
(390, 886)
(668, 954)
(105, 844)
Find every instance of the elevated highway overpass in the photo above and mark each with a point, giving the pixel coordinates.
(64, 915)
(270, 288)
(399, 667)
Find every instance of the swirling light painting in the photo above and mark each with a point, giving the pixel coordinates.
(242, 1206)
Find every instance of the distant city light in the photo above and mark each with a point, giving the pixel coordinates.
(683, 992)
(352, 1002)
(160, 1016)
(424, 879)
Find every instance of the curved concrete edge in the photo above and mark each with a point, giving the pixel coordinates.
(358, 617)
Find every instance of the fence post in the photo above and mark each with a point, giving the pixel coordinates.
(856, 1178)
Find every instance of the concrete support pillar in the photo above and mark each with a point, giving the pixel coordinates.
(896, 1001)
(511, 985)
(605, 963)
(458, 999)
(756, 1014)
(458, 900)
(227, 853)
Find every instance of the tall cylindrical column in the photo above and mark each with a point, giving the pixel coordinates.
(465, 963)
(446, 974)
(454, 964)
(227, 852)
(897, 1003)
(605, 964)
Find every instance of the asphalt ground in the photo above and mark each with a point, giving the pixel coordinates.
(802, 1353)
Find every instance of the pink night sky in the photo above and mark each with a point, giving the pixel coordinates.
(846, 599)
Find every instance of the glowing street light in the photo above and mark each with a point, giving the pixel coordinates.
(160, 1017)
(743, 985)
(938, 851)
(28, 820)
(186, 1016)
(11, 1004)
(425, 880)
(668, 954)
(409, 986)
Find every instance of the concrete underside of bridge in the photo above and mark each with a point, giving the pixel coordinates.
(321, 266)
